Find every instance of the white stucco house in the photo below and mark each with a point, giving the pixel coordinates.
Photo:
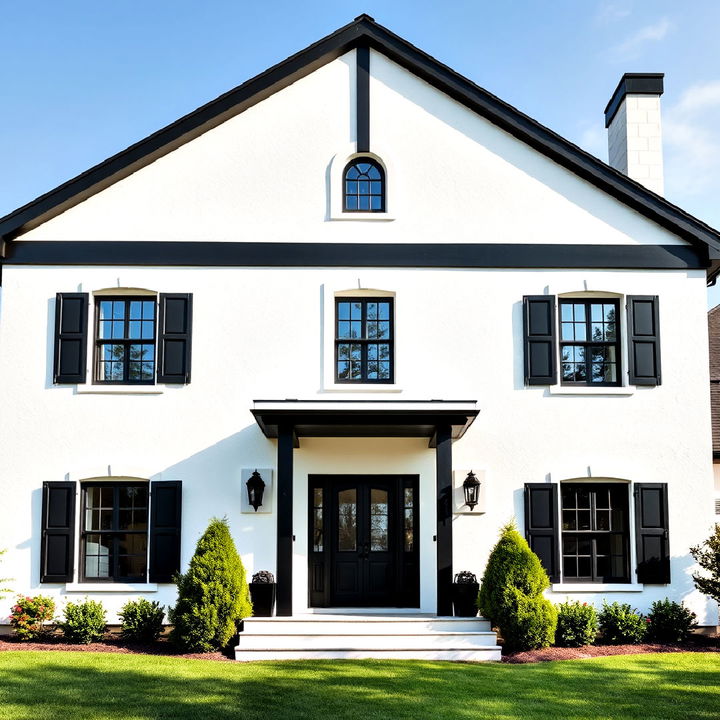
(365, 277)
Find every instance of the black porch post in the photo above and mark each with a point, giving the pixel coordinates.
(443, 464)
(284, 519)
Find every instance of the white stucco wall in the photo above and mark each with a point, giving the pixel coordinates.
(267, 333)
(459, 337)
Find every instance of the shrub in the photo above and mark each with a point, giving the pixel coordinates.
(29, 615)
(621, 625)
(577, 624)
(84, 622)
(707, 556)
(669, 621)
(511, 594)
(213, 595)
(142, 620)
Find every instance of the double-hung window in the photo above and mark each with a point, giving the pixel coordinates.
(114, 532)
(125, 340)
(364, 340)
(590, 342)
(595, 539)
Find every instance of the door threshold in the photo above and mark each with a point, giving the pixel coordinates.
(367, 611)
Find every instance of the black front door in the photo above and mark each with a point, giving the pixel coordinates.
(363, 548)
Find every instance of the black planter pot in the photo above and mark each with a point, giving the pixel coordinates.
(263, 599)
(464, 596)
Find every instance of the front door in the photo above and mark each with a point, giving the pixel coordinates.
(363, 541)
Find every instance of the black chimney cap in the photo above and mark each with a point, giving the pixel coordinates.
(636, 84)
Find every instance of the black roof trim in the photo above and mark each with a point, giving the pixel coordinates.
(635, 84)
(362, 31)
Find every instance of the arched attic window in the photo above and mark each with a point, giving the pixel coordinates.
(363, 186)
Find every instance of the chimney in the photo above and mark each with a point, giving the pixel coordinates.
(632, 118)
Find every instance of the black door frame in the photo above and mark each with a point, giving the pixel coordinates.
(406, 593)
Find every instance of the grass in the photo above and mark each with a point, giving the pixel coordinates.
(67, 685)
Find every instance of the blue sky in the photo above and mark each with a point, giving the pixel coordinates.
(82, 80)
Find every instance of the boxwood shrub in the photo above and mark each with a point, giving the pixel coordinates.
(141, 620)
(577, 624)
(84, 622)
(670, 622)
(621, 625)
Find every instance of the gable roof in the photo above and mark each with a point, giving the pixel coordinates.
(364, 32)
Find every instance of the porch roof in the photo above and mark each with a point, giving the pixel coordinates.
(365, 418)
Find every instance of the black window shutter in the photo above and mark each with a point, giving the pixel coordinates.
(174, 338)
(57, 543)
(651, 533)
(643, 339)
(539, 339)
(71, 327)
(541, 525)
(165, 521)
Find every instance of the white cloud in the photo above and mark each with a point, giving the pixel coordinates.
(691, 138)
(632, 46)
(610, 12)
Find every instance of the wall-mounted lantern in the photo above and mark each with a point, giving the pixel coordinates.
(471, 489)
(255, 489)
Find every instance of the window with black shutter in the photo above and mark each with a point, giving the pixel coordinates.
(595, 532)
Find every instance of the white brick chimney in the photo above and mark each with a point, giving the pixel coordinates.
(632, 118)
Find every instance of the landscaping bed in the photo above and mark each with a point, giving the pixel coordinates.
(696, 643)
(108, 645)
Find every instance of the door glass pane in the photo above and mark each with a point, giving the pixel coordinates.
(317, 520)
(347, 520)
(378, 520)
(409, 515)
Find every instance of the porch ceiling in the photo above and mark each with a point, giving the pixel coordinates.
(370, 418)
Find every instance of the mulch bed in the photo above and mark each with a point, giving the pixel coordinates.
(110, 645)
(697, 643)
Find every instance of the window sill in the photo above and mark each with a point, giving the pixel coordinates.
(111, 587)
(582, 390)
(363, 217)
(362, 388)
(91, 389)
(597, 587)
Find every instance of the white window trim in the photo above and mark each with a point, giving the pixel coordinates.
(564, 586)
(106, 586)
(624, 389)
(328, 295)
(335, 184)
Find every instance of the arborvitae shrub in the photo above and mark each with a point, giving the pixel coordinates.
(511, 594)
(577, 624)
(621, 625)
(141, 620)
(670, 621)
(84, 622)
(213, 595)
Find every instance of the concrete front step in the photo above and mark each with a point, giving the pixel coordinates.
(367, 636)
(457, 655)
(363, 624)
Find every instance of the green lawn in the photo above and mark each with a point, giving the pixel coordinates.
(62, 686)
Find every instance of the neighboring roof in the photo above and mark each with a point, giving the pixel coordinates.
(364, 31)
(714, 337)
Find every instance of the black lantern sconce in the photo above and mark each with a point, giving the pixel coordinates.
(471, 488)
(256, 489)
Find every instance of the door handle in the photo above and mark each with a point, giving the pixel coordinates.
(365, 550)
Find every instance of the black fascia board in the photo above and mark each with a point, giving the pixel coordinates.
(301, 254)
(364, 30)
(633, 84)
